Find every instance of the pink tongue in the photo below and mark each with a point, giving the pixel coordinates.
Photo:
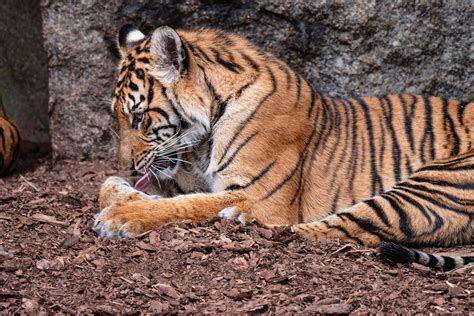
(144, 183)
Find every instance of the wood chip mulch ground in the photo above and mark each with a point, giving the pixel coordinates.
(51, 262)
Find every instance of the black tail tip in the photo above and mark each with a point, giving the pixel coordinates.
(395, 253)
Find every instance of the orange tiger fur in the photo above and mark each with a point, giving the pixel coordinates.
(9, 143)
(264, 145)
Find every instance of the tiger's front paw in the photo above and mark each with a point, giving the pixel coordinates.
(116, 189)
(118, 221)
(236, 214)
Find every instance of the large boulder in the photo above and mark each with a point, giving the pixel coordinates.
(366, 47)
(24, 72)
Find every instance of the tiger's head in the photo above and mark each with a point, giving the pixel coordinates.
(159, 101)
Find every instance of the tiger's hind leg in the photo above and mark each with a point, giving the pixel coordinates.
(434, 206)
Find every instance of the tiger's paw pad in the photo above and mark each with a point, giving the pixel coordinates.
(115, 227)
(235, 214)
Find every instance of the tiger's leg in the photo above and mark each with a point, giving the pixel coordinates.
(128, 219)
(116, 189)
(433, 206)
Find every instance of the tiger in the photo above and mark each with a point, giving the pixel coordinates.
(213, 126)
(9, 142)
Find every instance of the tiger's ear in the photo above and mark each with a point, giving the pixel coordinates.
(166, 47)
(129, 37)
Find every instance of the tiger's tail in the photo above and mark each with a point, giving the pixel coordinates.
(401, 254)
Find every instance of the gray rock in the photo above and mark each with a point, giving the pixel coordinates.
(342, 47)
(24, 72)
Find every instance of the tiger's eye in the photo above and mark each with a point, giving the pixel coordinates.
(140, 74)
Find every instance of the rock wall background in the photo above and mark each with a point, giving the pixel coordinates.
(24, 72)
(342, 47)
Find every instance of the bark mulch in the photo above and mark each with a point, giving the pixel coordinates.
(51, 262)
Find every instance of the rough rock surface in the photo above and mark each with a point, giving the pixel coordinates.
(24, 71)
(366, 47)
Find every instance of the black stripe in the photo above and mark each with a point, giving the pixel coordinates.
(252, 115)
(344, 231)
(343, 155)
(433, 201)
(185, 61)
(448, 121)
(204, 55)
(367, 226)
(285, 181)
(404, 221)
(284, 67)
(412, 201)
(382, 142)
(396, 151)
(335, 201)
(255, 179)
(446, 165)
(408, 116)
(231, 158)
(222, 107)
(144, 60)
(408, 165)
(217, 99)
(184, 123)
(463, 185)
(468, 167)
(151, 91)
(191, 48)
(375, 206)
(325, 132)
(246, 86)
(131, 67)
(375, 177)
(461, 107)
(229, 65)
(298, 89)
(312, 100)
(160, 111)
(432, 262)
(337, 130)
(449, 263)
(251, 62)
(452, 198)
(428, 131)
(354, 148)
